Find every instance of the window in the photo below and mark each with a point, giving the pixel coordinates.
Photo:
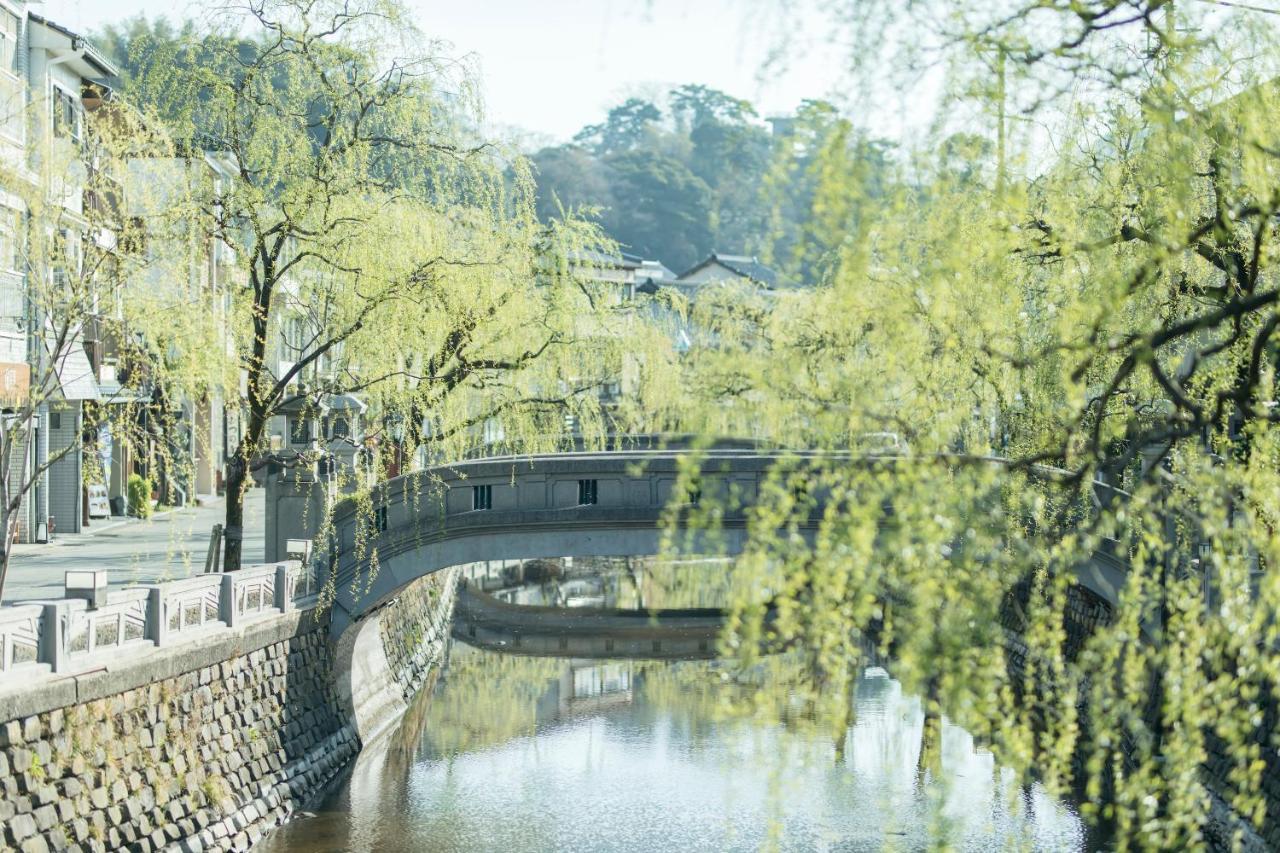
(68, 268)
(341, 428)
(482, 497)
(9, 249)
(300, 431)
(376, 524)
(694, 494)
(587, 492)
(66, 114)
(493, 431)
(8, 41)
(294, 330)
(13, 94)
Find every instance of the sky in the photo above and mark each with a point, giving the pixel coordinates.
(548, 67)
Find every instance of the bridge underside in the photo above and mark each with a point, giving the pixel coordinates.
(483, 621)
(361, 590)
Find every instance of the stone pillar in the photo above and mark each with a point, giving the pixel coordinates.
(293, 507)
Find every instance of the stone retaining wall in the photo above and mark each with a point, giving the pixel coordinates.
(203, 746)
(1226, 829)
(415, 645)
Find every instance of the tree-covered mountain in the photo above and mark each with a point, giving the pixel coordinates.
(703, 172)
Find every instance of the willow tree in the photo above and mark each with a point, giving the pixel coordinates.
(1073, 270)
(388, 250)
(70, 257)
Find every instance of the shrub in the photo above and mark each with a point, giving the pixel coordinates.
(139, 496)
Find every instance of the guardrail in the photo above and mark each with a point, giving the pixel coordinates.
(71, 634)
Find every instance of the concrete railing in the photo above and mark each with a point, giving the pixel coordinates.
(21, 627)
(71, 634)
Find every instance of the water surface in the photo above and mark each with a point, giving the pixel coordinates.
(512, 753)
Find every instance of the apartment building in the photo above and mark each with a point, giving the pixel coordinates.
(51, 81)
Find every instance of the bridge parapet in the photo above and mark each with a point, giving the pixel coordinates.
(588, 504)
(607, 503)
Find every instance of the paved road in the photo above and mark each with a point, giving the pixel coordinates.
(132, 551)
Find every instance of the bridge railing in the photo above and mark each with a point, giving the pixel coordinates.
(123, 620)
(189, 605)
(72, 634)
(21, 627)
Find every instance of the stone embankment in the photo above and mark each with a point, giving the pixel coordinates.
(203, 742)
(1226, 829)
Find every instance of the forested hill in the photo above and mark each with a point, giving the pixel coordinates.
(702, 171)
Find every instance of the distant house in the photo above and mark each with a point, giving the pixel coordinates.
(618, 268)
(719, 268)
(652, 275)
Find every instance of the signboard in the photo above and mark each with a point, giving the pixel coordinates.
(15, 380)
(99, 507)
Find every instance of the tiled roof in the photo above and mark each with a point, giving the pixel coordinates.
(743, 265)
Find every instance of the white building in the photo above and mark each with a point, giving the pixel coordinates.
(50, 79)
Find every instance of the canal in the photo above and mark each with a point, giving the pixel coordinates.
(521, 749)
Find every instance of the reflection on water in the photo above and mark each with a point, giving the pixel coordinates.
(629, 583)
(523, 753)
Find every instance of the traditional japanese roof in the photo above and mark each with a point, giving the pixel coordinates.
(611, 260)
(656, 271)
(345, 403)
(741, 265)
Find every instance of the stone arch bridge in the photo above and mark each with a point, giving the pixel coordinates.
(586, 504)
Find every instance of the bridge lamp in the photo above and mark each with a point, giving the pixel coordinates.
(395, 425)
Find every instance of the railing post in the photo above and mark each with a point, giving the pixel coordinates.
(227, 600)
(53, 640)
(284, 600)
(157, 623)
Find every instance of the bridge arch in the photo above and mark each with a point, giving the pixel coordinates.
(581, 504)
(607, 503)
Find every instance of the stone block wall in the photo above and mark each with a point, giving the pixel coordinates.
(1226, 829)
(199, 747)
(204, 759)
(1229, 829)
(415, 629)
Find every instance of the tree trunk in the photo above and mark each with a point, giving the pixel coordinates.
(9, 530)
(233, 525)
(238, 484)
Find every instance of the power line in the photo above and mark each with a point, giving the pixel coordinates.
(1246, 6)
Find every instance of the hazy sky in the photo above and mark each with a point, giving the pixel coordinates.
(551, 66)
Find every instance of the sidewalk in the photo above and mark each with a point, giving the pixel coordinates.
(168, 545)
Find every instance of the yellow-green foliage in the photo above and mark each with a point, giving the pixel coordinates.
(383, 247)
(1093, 290)
(490, 700)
